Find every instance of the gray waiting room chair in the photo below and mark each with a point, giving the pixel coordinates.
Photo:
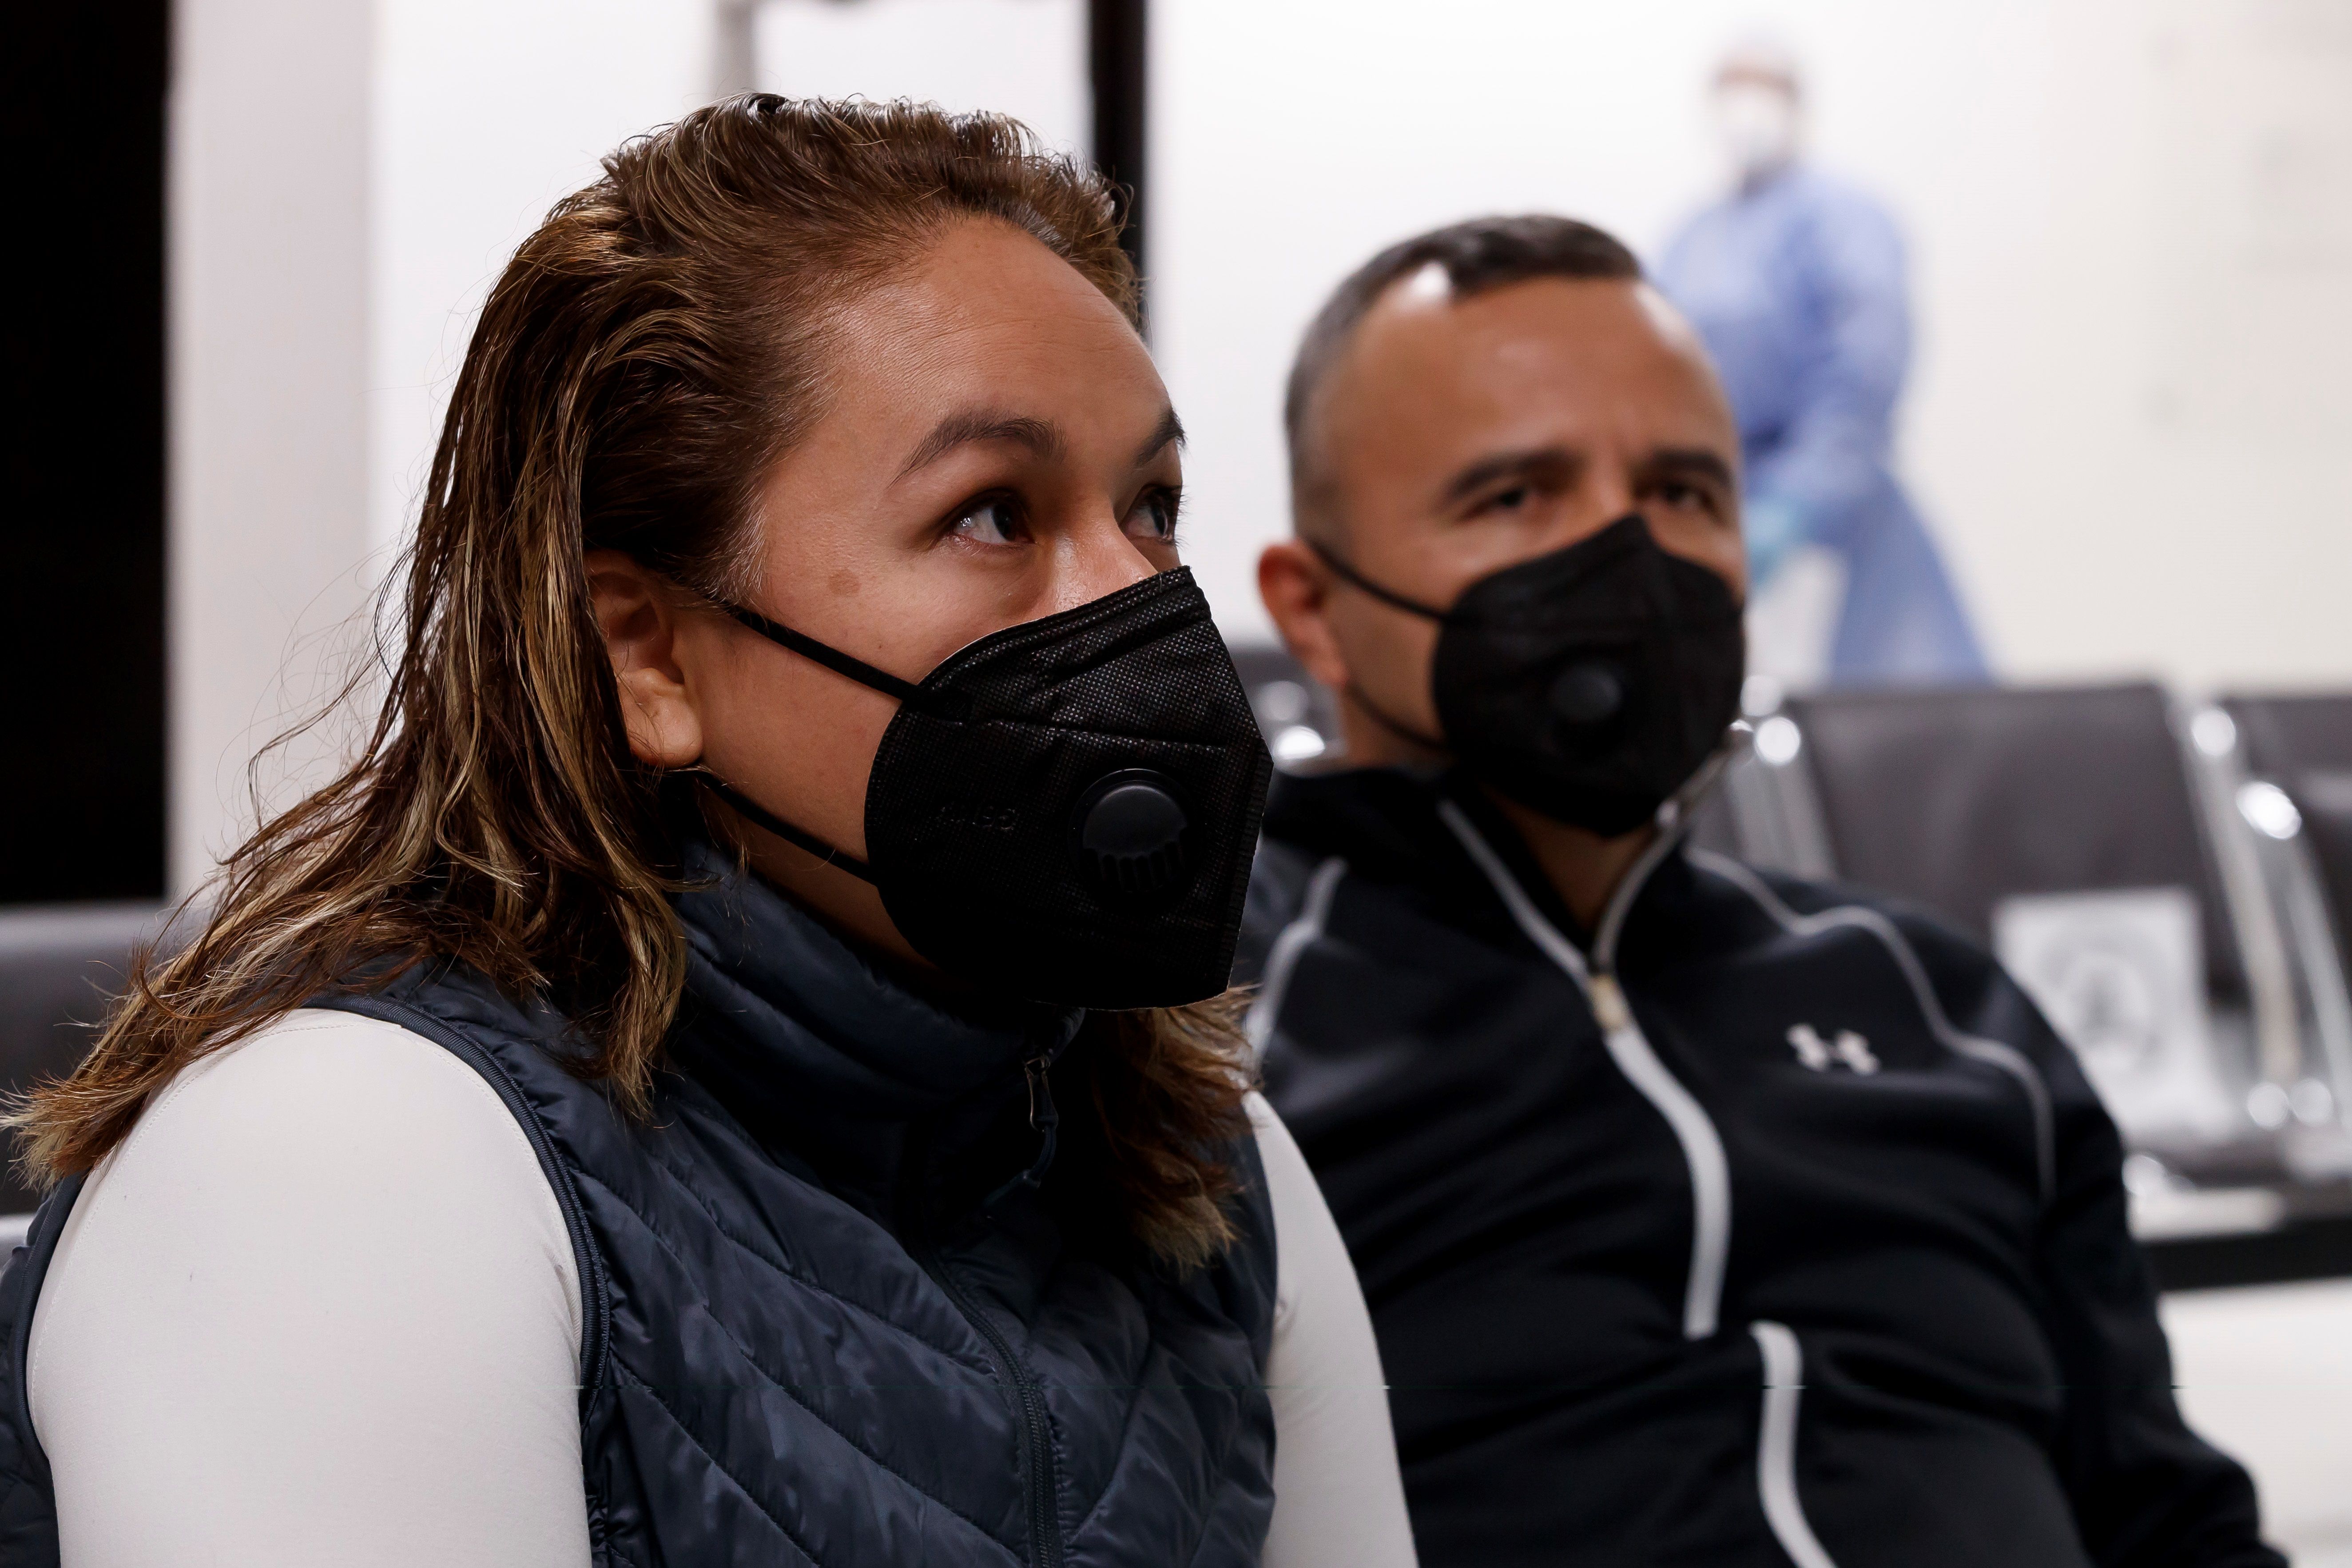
(59, 965)
(1298, 715)
(1972, 800)
(2289, 761)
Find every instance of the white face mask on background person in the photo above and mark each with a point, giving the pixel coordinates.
(1756, 127)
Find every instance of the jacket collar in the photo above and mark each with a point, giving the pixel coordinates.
(1385, 823)
(833, 1061)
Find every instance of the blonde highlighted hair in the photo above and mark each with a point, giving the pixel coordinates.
(643, 359)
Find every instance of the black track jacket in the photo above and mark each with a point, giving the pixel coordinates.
(1815, 1253)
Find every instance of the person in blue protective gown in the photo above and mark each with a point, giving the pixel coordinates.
(1795, 281)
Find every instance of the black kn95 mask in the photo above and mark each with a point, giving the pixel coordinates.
(1063, 811)
(1588, 683)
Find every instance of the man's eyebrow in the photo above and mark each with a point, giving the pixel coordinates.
(1169, 430)
(1508, 465)
(1692, 460)
(1039, 436)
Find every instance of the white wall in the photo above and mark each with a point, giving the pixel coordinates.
(268, 265)
(2265, 1374)
(2132, 231)
(483, 115)
(1022, 58)
(486, 114)
(2131, 222)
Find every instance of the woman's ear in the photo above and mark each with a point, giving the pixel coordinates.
(638, 613)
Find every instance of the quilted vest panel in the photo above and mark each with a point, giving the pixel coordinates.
(774, 1373)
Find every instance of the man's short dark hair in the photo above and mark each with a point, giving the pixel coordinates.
(1481, 254)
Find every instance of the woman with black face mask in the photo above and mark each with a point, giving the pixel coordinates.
(736, 1069)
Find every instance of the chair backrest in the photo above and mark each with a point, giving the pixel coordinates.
(58, 966)
(2284, 736)
(2304, 744)
(1959, 798)
(2323, 800)
(1299, 716)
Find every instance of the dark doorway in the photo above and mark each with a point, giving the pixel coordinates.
(1118, 49)
(81, 453)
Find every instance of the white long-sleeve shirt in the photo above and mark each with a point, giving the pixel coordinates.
(319, 1308)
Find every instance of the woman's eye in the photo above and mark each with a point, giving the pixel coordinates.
(993, 519)
(1154, 517)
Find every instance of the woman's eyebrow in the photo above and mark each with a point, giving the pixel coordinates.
(1040, 436)
(1169, 431)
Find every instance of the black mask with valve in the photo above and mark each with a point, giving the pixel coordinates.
(1066, 810)
(1588, 683)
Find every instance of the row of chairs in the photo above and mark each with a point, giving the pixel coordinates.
(2170, 880)
(59, 964)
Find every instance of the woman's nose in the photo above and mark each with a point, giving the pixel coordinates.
(1098, 559)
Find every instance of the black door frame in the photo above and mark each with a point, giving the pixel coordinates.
(1119, 70)
(82, 453)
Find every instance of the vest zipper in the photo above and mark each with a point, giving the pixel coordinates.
(1044, 1121)
(1037, 1432)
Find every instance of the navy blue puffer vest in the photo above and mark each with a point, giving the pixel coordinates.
(827, 1320)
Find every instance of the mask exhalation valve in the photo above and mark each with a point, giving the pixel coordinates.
(1129, 832)
(1587, 693)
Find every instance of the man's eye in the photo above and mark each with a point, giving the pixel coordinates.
(1154, 517)
(1513, 500)
(1682, 496)
(993, 520)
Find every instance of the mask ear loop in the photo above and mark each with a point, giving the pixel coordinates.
(1388, 721)
(1355, 579)
(798, 838)
(840, 663)
(826, 653)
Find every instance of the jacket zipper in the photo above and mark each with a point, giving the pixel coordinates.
(1620, 1033)
(1038, 1432)
(1694, 1128)
(1044, 1120)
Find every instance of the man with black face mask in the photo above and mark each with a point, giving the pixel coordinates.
(1705, 1217)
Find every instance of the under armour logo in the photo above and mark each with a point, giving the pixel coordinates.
(1820, 1055)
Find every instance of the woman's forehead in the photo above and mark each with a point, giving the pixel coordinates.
(989, 344)
(982, 277)
(990, 317)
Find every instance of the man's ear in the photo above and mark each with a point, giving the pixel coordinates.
(638, 613)
(1296, 588)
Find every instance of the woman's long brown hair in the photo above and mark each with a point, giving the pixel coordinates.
(643, 359)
